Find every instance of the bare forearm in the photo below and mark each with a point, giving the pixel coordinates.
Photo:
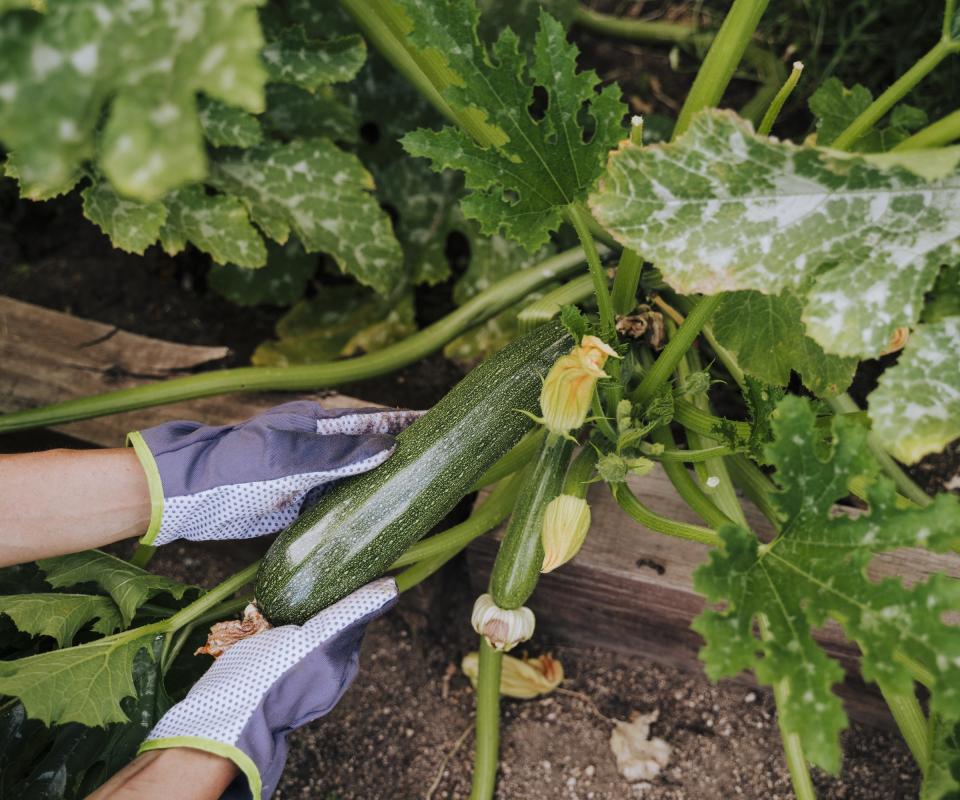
(164, 774)
(63, 501)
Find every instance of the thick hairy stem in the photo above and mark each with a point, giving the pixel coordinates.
(488, 723)
(626, 281)
(578, 218)
(911, 722)
(548, 306)
(650, 519)
(479, 308)
(937, 134)
(687, 487)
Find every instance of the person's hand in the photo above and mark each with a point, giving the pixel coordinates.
(265, 686)
(250, 479)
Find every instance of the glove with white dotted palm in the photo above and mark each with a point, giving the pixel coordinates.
(250, 479)
(265, 686)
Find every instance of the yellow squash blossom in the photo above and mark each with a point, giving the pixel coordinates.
(521, 678)
(568, 389)
(566, 521)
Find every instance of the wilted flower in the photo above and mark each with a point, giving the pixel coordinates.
(568, 389)
(521, 678)
(502, 628)
(566, 521)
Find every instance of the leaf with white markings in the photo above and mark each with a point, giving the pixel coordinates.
(280, 282)
(765, 334)
(816, 569)
(322, 194)
(532, 169)
(129, 586)
(942, 778)
(132, 225)
(292, 57)
(135, 66)
(217, 224)
(228, 126)
(61, 615)
(916, 408)
(722, 209)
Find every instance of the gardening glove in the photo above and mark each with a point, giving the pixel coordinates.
(250, 479)
(265, 686)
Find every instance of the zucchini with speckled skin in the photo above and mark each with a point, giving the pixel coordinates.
(360, 527)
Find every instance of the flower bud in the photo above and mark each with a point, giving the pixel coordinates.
(566, 520)
(568, 389)
(521, 678)
(502, 628)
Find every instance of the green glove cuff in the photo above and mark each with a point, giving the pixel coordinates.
(154, 483)
(242, 760)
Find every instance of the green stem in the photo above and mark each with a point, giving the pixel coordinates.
(691, 456)
(578, 218)
(917, 670)
(937, 134)
(626, 281)
(722, 59)
(225, 609)
(494, 510)
(911, 721)
(386, 27)
(770, 117)
(207, 601)
(600, 419)
(862, 125)
(547, 307)
(579, 473)
(755, 485)
(650, 519)
(516, 459)
(488, 723)
(693, 418)
(478, 309)
(687, 487)
(670, 356)
(142, 555)
(422, 570)
(844, 404)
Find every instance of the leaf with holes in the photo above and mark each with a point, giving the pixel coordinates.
(322, 194)
(816, 569)
(85, 63)
(526, 174)
(61, 615)
(915, 410)
(722, 209)
(765, 334)
(129, 586)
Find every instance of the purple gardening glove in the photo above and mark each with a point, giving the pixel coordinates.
(245, 480)
(265, 686)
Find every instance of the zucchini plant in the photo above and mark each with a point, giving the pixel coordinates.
(766, 257)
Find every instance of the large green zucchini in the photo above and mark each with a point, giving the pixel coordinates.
(359, 529)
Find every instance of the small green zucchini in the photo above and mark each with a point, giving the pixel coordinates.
(362, 525)
(517, 568)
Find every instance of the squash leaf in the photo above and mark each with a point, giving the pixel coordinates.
(816, 569)
(132, 225)
(766, 335)
(228, 126)
(129, 586)
(722, 209)
(137, 66)
(292, 57)
(61, 615)
(281, 282)
(915, 410)
(532, 168)
(942, 778)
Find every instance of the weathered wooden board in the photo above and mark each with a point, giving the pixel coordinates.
(47, 357)
(631, 589)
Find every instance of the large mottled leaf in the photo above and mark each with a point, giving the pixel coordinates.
(522, 16)
(530, 170)
(942, 778)
(217, 224)
(281, 282)
(228, 126)
(129, 586)
(835, 107)
(916, 408)
(77, 684)
(766, 335)
(135, 67)
(61, 615)
(322, 194)
(723, 209)
(816, 569)
(294, 112)
(293, 57)
(132, 225)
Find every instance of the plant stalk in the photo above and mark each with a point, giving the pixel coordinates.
(626, 281)
(578, 218)
(912, 723)
(547, 307)
(579, 473)
(488, 723)
(207, 601)
(770, 117)
(306, 377)
(937, 134)
(871, 115)
(628, 501)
